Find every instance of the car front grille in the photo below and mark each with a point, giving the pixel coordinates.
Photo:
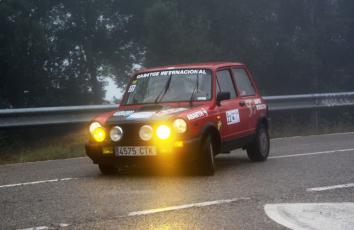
(131, 135)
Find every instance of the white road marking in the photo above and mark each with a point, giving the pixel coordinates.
(36, 182)
(332, 187)
(310, 154)
(36, 228)
(186, 206)
(40, 161)
(46, 228)
(305, 216)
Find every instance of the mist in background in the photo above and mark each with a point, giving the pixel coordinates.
(64, 52)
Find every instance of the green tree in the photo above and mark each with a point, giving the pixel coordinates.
(90, 41)
(23, 52)
(174, 35)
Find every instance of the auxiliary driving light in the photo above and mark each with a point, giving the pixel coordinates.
(180, 125)
(116, 133)
(99, 134)
(163, 132)
(145, 132)
(94, 125)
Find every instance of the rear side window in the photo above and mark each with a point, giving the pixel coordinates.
(243, 82)
(224, 83)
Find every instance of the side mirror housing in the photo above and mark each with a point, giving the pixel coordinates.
(222, 96)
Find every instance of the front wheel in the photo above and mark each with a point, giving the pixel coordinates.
(207, 156)
(258, 150)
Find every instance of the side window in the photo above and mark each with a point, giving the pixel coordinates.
(243, 83)
(224, 83)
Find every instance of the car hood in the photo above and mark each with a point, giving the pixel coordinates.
(139, 115)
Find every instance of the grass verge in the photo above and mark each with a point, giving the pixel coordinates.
(38, 144)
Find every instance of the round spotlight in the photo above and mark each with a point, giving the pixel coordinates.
(99, 134)
(180, 125)
(94, 125)
(145, 132)
(163, 132)
(116, 133)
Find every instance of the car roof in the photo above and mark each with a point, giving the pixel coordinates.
(206, 65)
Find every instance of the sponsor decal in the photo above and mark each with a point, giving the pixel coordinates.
(201, 98)
(141, 115)
(257, 101)
(197, 114)
(251, 107)
(170, 111)
(151, 74)
(261, 107)
(232, 116)
(123, 113)
(173, 72)
(131, 88)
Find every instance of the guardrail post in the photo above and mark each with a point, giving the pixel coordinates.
(316, 114)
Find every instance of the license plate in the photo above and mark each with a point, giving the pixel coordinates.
(135, 151)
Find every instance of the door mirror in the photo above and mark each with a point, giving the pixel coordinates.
(222, 96)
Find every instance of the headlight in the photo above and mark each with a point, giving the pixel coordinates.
(94, 125)
(180, 125)
(145, 132)
(116, 133)
(99, 134)
(163, 132)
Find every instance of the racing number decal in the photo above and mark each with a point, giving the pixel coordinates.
(232, 117)
(131, 88)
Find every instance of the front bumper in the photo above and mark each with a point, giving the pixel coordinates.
(188, 152)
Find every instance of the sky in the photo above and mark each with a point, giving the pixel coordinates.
(112, 91)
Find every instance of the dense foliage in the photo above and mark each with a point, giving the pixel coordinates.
(55, 52)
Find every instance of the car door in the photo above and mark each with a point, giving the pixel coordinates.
(247, 96)
(234, 117)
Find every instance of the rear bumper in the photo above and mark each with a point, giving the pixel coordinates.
(188, 152)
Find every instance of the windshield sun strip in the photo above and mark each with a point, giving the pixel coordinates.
(134, 79)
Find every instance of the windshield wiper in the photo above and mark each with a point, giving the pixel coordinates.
(196, 88)
(163, 92)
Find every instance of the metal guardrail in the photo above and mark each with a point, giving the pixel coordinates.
(310, 101)
(51, 115)
(82, 114)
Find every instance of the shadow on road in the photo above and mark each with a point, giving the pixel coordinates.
(222, 163)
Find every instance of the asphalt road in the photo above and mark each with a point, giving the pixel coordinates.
(71, 194)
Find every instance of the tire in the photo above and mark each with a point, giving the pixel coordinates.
(107, 169)
(207, 156)
(258, 150)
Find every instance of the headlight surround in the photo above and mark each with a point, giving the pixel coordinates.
(146, 132)
(99, 134)
(180, 125)
(94, 125)
(163, 132)
(116, 133)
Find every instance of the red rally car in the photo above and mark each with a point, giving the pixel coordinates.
(187, 113)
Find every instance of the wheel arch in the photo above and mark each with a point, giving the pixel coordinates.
(211, 129)
(263, 121)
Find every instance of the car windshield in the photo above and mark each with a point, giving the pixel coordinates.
(170, 86)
